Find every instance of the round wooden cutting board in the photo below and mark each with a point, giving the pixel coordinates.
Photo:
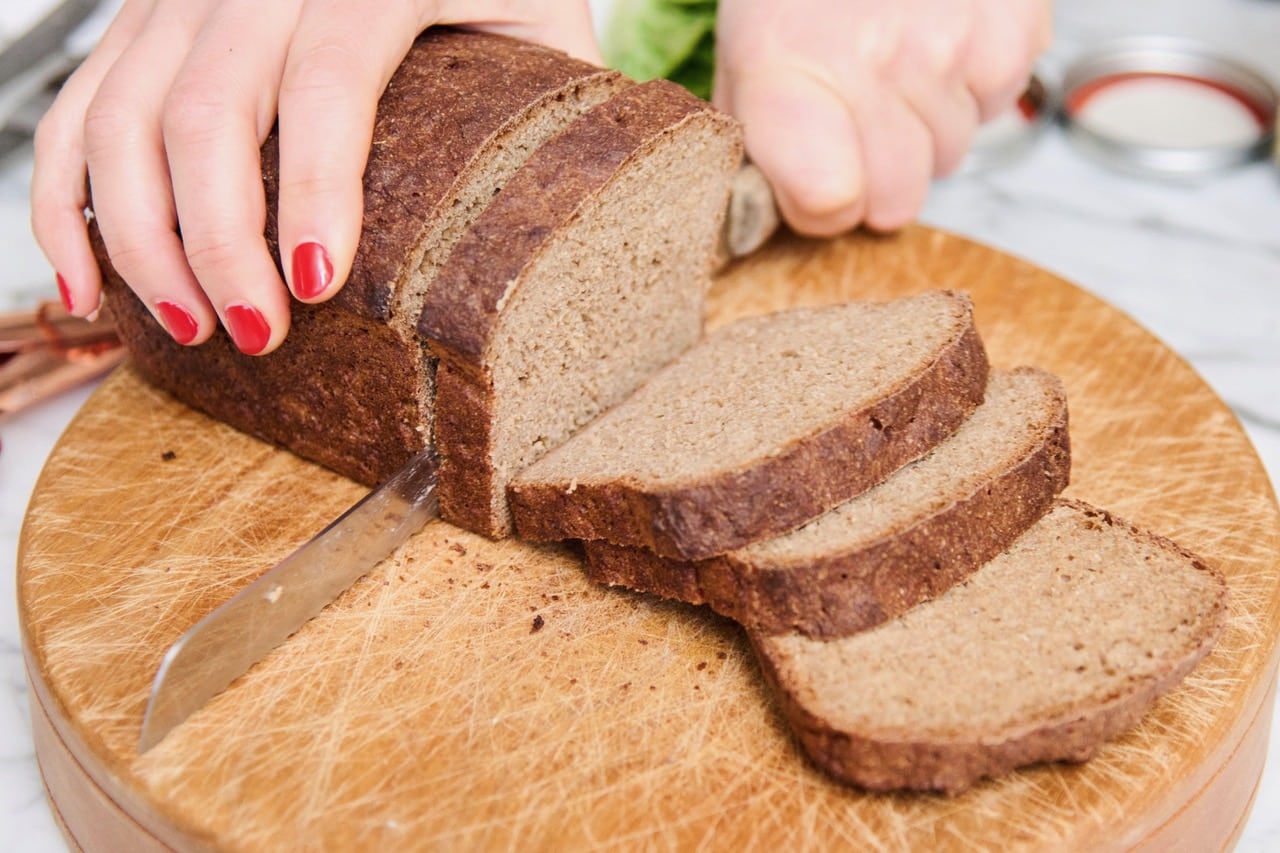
(470, 694)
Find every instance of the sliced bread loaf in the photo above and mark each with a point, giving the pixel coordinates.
(1058, 644)
(585, 275)
(911, 537)
(761, 427)
(351, 386)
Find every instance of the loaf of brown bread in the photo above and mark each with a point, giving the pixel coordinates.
(1058, 644)
(761, 427)
(923, 529)
(583, 277)
(351, 387)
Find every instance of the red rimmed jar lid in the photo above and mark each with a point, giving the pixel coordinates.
(1167, 107)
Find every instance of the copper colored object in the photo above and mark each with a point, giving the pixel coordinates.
(46, 351)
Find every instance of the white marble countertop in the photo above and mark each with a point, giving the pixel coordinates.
(1198, 265)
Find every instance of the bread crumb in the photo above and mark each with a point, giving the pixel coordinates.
(538, 622)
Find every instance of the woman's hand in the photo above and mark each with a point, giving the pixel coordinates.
(167, 115)
(851, 107)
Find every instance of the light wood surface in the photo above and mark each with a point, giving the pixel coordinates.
(425, 709)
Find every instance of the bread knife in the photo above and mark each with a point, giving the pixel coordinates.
(227, 642)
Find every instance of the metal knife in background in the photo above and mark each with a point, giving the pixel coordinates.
(224, 644)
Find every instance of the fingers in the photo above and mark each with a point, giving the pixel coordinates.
(929, 74)
(342, 54)
(838, 153)
(168, 115)
(1008, 37)
(216, 114)
(852, 108)
(897, 147)
(341, 57)
(562, 24)
(128, 169)
(803, 137)
(58, 194)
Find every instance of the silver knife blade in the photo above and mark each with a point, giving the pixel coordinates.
(224, 644)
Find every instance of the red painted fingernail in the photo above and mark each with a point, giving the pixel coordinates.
(181, 324)
(312, 270)
(248, 328)
(65, 293)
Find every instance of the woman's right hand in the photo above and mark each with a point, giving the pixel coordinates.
(852, 107)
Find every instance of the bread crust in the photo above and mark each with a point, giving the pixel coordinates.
(953, 766)
(464, 432)
(953, 761)
(463, 310)
(849, 591)
(339, 391)
(815, 473)
(347, 388)
(454, 93)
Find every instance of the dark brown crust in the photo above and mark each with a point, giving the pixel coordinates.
(737, 507)
(463, 436)
(847, 592)
(954, 765)
(453, 94)
(462, 310)
(463, 307)
(340, 390)
(344, 389)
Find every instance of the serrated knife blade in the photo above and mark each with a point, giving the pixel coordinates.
(227, 642)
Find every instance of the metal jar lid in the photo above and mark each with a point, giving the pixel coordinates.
(1149, 146)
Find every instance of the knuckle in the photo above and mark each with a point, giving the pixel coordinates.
(212, 255)
(322, 185)
(133, 258)
(938, 51)
(195, 108)
(109, 120)
(330, 70)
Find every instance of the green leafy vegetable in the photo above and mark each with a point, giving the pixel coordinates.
(675, 39)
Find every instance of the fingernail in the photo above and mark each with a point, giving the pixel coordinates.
(65, 293)
(312, 270)
(248, 328)
(179, 321)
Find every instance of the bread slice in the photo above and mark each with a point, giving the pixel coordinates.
(1057, 645)
(761, 427)
(351, 387)
(586, 274)
(911, 537)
